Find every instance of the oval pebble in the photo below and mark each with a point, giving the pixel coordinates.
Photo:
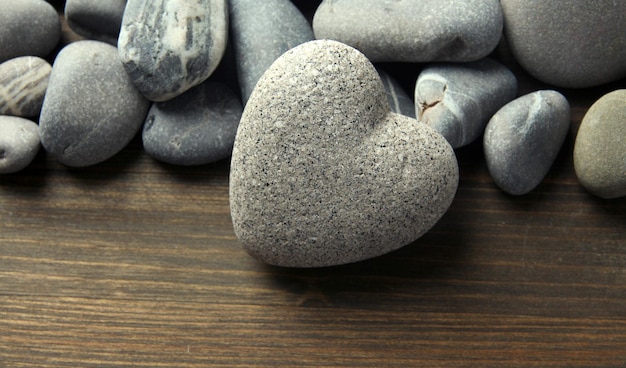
(91, 109)
(398, 99)
(96, 19)
(523, 138)
(457, 100)
(19, 143)
(195, 128)
(23, 83)
(27, 28)
(600, 148)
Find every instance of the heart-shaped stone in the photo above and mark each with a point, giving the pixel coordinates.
(323, 173)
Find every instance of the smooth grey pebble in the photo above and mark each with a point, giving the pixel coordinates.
(19, 143)
(96, 19)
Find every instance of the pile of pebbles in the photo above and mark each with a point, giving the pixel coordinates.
(329, 152)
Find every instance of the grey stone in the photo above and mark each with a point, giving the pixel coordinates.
(573, 44)
(398, 99)
(195, 128)
(91, 109)
(457, 100)
(96, 19)
(323, 173)
(600, 148)
(262, 31)
(413, 30)
(19, 143)
(23, 83)
(169, 46)
(523, 139)
(28, 28)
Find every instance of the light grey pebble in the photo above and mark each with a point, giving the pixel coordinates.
(523, 139)
(573, 44)
(457, 100)
(600, 148)
(19, 143)
(323, 173)
(261, 32)
(27, 28)
(23, 83)
(413, 30)
(398, 99)
(169, 46)
(195, 128)
(96, 19)
(91, 109)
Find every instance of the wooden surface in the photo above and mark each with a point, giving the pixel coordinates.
(133, 263)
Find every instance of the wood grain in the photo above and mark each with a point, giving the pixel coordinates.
(133, 263)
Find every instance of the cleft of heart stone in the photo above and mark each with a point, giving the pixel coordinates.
(323, 173)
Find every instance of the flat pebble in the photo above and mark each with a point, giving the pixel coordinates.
(23, 83)
(96, 19)
(457, 100)
(398, 99)
(28, 28)
(19, 143)
(169, 46)
(261, 32)
(413, 30)
(523, 139)
(600, 148)
(323, 173)
(197, 127)
(573, 44)
(91, 109)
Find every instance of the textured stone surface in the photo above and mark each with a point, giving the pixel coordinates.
(96, 19)
(197, 127)
(27, 28)
(523, 139)
(600, 148)
(575, 43)
(19, 143)
(398, 100)
(413, 30)
(323, 173)
(261, 32)
(169, 46)
(91, 109)
(457, 100)
(23, 83)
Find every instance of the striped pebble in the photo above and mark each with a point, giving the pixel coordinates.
(23, 83)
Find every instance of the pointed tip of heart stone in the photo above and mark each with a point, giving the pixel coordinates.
(323, 173)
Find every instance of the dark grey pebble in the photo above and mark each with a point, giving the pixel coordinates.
(19, 143)
(399, 100)
(91, 109)
(197, 127)
(23, 83)
(96, 19)
(523, 139)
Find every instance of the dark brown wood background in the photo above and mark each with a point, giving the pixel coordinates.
(135, 263)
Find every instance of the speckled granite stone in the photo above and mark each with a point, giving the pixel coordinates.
(91, 109)
(398, 99)
(23, 83)
(19, 143)
(523, 139)
(600, 148)
(169, 46)
(323, 173)
(261, 32)
(195, 128)
(96, 19)
(27, 28)
(413, 30)
(457, 100)
(573, 44)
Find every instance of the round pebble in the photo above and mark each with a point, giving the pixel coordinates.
(19, 143)
(323, 173)
(91, 109)
(96, 19)
(23, 83)
(195, 128)
(523, 139)
(600, 148)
